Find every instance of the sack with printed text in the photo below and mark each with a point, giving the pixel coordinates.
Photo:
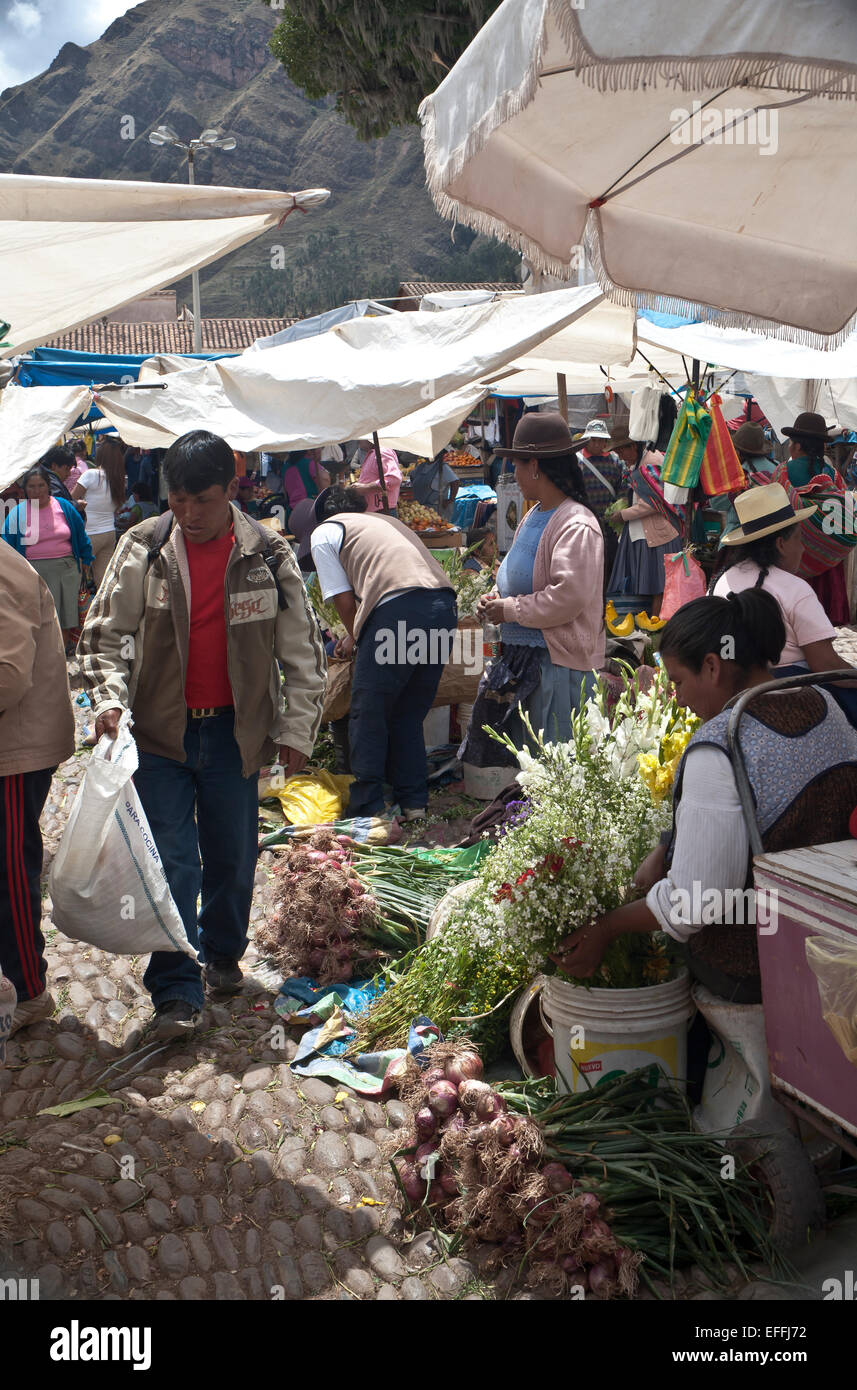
(107, 882)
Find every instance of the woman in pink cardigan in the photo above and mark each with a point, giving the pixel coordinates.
(548, 600)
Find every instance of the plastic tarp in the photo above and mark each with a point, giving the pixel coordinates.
(74, 249)
(751, 352)
(321, 323)
(32, 418)
(63, 367)
(430, 429)
(361, 376)
(613, 124)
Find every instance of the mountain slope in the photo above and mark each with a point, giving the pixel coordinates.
(196, 63)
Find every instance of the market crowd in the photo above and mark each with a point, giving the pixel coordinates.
(225, 669)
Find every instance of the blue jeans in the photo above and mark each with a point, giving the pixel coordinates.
(389, 702)
(204, 810)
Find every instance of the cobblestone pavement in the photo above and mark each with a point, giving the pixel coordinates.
(244, 1181)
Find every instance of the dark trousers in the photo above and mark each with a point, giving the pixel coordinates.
(390, 699)
(22, 946)
(204, 816)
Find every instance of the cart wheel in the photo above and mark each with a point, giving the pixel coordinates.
(781, 1162)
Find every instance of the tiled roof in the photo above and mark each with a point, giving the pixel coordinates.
(177, 336)
(415, 289)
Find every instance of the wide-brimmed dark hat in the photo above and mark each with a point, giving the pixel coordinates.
(542, 434)
(810, 426)
(621, 439)
(750, 439)
(305, 516)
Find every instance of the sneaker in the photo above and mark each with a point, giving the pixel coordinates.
(415, 813)
(32, 1011)
(223, 976)
(174, 1019)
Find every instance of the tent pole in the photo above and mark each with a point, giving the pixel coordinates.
(688, 507)
(381, 479)
(562, 392)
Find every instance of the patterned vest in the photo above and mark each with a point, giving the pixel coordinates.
(801, 757)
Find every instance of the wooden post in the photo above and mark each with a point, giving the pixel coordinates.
(486, 477)
(381, 479)
(562, 392)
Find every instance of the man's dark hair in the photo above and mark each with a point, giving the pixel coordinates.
(197, 461)
(342, 499)
(142, 492)
(59, 456)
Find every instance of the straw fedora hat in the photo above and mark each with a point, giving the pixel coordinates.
(762, 511)
(810, 426)
(541, 434)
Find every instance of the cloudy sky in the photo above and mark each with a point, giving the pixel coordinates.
(32, 32)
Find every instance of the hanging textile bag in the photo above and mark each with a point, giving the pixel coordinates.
(683, 458)
(721, 469)
(684, 580)
(830, 533)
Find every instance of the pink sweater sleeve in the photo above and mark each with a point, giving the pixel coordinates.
(576, 564)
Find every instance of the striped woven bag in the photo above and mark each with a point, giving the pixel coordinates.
(684, 453)
(721, 469)
(829, 534)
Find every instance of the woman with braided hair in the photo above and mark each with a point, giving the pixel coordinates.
(764, 552)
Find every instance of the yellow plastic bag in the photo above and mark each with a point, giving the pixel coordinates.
(309, 798)
(834, 964)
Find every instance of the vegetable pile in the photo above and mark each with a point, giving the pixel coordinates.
(341, 907)
(592, 1191)
(324, 923)
(421, 518)
(477, 1168)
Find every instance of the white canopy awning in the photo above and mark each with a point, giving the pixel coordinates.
(74, 249)
(364, 375)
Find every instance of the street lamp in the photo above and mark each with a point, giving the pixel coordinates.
(211, 138)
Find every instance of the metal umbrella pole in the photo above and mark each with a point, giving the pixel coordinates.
(385, 504)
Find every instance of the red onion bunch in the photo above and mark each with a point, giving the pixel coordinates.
(319, 914)
(483, 1171)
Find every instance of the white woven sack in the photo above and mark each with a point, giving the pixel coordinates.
(107, 882)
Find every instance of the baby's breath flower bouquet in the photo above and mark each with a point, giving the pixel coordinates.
(590, 819)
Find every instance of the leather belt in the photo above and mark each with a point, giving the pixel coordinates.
(209, 713)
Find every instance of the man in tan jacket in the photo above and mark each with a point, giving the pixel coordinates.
(197, 616)
(36, 735)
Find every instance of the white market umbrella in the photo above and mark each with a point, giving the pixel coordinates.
(72, 250)
(614, 125)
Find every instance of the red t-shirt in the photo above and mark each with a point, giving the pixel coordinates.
(207, 682)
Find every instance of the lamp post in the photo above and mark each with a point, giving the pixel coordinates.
(212, 138)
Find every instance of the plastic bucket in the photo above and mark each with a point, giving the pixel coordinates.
(531, 1043)
(484, 783)
(436, 727)
(599, 1034)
